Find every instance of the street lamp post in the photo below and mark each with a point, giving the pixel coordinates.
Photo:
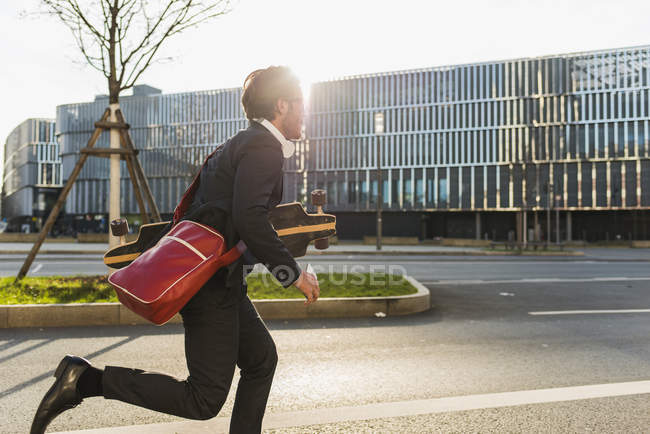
(379, 129)
(557, 219)
(537, 226)
(549, 204)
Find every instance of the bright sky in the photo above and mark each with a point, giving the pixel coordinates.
(318, 39)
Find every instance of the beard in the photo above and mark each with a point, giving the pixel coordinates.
(292, 124)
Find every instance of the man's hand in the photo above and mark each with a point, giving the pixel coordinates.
(308, 285)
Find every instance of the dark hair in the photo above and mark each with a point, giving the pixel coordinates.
(263, 88)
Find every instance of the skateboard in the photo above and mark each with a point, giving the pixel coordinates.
(295, 227)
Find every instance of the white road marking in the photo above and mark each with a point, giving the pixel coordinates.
(458, 282)
(586, 312)
(73, 263)
(38, 267)
(534, 280)
(397, 409)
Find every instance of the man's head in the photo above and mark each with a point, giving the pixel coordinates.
(274, 94)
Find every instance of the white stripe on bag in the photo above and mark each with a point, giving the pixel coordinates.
(186, 244)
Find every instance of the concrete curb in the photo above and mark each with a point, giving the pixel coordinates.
(55, 252)
(533, 253)
(347, 252)
(445, 253)
(93, 314)
(347, 306)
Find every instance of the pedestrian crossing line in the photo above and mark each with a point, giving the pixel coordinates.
(536, 280)
(396, 409)
(587, 312)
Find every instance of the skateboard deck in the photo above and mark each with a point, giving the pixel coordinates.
(294, 226)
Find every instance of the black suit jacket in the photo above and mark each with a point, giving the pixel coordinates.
(238, 187)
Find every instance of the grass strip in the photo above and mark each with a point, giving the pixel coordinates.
(96, 289)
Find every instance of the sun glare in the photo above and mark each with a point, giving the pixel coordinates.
(307, 77)
(306, 89)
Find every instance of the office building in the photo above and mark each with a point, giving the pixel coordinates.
(479, 150)
(32, 174)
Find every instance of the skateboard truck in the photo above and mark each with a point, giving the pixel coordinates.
(318, 199)
(119, 228)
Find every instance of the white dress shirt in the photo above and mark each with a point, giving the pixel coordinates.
(288, 147)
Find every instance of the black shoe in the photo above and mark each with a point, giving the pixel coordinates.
(63, 394)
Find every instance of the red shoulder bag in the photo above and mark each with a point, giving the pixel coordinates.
(159, 282)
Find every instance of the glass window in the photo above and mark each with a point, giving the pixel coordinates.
(620, 139)
(492, 186)
(504, 186)
(615, 179)
(599, 140)
(442, 193)
(352, 192)
(630, 183)
(395, 189)
(331, 191)
(408, 195)
(610, 133)
(385, 198)
(641, 138)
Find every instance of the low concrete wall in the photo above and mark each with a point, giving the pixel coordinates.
(92, 238)
(17, 237)
(347, 307)
(87, 314)
(101, 238)
(392, 241)
(464, 242)
(638, 244)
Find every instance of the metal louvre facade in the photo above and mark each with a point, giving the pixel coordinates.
(174, 133)
(32, 169)
(467, 150)
(489, 136)
(567, 132)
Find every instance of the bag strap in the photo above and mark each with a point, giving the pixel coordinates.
(188, 196)
(233, 254)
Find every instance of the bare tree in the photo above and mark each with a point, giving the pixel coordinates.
(120, 38)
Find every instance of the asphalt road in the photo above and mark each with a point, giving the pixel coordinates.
(482, 336)
(621, 264)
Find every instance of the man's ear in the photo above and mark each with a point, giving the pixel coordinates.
(282, 106)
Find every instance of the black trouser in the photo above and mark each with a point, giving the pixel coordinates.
(216, 339)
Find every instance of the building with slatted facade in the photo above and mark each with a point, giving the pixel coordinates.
(31, 175)
(479, 150)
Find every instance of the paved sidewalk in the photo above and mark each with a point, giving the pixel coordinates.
(16, 248)
(416, 415)
(616, 253)
(371, 249)
(345, 248)
(101, 248)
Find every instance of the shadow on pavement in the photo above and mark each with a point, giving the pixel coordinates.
(24, 350)
(47, 374)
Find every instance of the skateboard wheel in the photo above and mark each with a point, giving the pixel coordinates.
(119, 227)
(322, 243)
(318, 197)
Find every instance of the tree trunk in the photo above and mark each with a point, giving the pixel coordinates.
(114, 195)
